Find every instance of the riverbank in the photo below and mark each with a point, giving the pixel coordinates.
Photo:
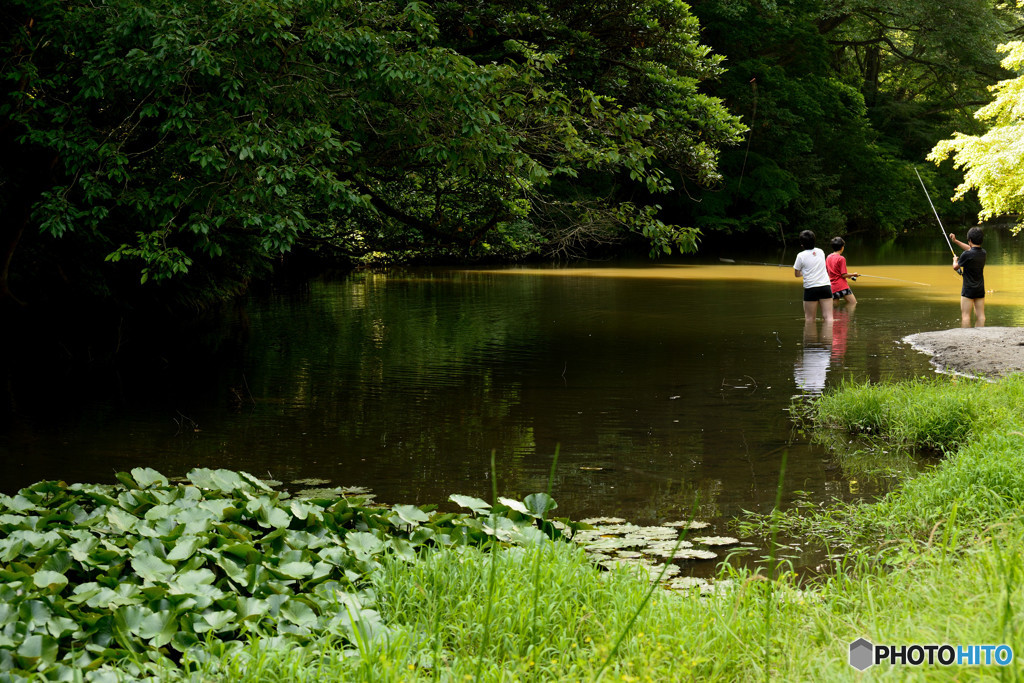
(977, 351)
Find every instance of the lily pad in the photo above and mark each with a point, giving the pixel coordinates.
(623, 562)
(688, 524)
(617, 528)
(311, 481)
(603, 520)
(612, 543)
(318, 492)
(540, 504)
(716, 540)
(356, 491)
(50, 581)
(664, 547)
(694, 554)
(514, 505)
(475, 504)
(654, 533)
(410, 514)
(685, 583)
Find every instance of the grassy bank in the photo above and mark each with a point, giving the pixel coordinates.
(437, 614)
(941, 561)
(976, 427)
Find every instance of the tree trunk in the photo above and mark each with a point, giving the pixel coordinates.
(872, 68)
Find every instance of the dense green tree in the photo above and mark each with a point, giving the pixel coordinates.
(994, 161)
(646, 55)
(841, 98)
(212, 137)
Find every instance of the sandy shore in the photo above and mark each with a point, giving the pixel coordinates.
(984, 351)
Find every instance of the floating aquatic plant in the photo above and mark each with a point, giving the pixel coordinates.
(661, 547)
(311, 481)
(688, 524)
(634, 545)
(685, 583)
(319, 492)
(716, 540)
(603, 520)
(683, 554)
(149, 569)
(650, 570)
(654, 532)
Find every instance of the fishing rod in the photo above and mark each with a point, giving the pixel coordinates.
(783, 265)
(936, 214)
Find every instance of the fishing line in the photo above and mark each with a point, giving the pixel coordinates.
(783, 265)
(935, 212)
(881, 277)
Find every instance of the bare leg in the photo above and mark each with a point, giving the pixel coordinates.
(826, 331)
(851, 299)
(826, 309)
(979, 313)
(965, 311)
(809, 307)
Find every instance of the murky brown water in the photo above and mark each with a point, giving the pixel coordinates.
(662, 386)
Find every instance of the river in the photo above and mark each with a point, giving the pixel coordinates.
(665, 387)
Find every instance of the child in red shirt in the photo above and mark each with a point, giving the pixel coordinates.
(835, 264)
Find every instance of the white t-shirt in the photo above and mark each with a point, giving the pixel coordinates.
(811, 264)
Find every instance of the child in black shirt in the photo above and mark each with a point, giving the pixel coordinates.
(972, 294)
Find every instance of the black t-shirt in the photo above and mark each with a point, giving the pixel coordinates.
(973, 263)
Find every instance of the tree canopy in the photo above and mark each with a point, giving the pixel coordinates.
(146, 139)
(213, 137)
(841, 99)
(994, 161)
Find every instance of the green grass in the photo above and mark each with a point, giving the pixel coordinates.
(435, 610)
(978, 425)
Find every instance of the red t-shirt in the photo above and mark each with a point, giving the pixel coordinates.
(835, 264)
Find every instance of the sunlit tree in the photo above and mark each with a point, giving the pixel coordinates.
(993, 163)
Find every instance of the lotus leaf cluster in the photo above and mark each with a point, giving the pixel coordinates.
(613, 542)
(136, 574)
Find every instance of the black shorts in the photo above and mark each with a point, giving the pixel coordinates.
(841, 294)
(817, 293)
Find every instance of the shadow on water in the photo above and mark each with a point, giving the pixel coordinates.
(661, 384)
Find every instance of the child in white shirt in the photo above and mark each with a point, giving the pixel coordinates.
(810, 265)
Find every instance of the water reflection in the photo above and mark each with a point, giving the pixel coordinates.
(663, 387)
(812, 366)
(841, 320)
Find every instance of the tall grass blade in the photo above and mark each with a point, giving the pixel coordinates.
(494, 562)
(773, 568)
(540, 553)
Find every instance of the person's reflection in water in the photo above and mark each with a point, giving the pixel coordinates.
(840, 324)
(812, 366)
